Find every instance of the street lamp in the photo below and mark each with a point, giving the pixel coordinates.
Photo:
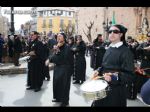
(12, 21)
(106, 27)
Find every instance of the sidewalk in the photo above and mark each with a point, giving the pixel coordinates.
(9, 68)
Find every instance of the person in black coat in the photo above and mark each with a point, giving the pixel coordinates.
(1, 47)
(10, 48)
(117, 69)
(62, 58)
(35, 63)
(132, 45)
(46, 67)
(72, 45)
(98, 51)
(80, 61)
(51, 43)
(144, 53)
(17, 49)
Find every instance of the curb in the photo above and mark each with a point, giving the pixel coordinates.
(17, 70)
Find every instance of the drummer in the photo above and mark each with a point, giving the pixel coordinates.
(117, 68)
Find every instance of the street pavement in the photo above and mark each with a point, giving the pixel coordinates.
(13, 92)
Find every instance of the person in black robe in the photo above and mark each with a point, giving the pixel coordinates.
(35, 63)
(144, 53)
(46, 67)
(132, 87)
(1, 47)
(10, 48)
(98, 51)
(71, 45)
(51, 43)
(80, 61)
(17, 49)
(132, 45)
(62, 58)
(116, 71)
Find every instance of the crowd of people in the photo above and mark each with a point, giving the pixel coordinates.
(124, 63)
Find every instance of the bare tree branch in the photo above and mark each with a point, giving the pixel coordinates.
(88, 34)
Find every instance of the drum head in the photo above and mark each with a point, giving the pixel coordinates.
(93, 85)
(24, 58)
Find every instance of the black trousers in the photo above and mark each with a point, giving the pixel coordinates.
(16, 58)
(46, 72)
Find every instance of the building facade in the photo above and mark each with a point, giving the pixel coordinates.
(101, 17)
(54, 19)
(4, 26)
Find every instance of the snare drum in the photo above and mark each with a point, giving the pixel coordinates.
(94, 89)
(24, 59)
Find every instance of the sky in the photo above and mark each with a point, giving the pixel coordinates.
(22, 15)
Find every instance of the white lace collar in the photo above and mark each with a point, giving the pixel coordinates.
(117, 45)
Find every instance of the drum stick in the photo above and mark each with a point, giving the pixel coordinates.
(99, 77)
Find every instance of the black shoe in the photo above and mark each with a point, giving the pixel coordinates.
(37, 89)
(64, 104)
(29, 88)
(74, 78)
(76, 82)
(54, 100)
(17, 64)
(81, 82)
(48, 79)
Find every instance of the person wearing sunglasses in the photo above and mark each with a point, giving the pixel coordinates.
(117, 69)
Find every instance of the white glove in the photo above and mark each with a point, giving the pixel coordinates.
(47, 62)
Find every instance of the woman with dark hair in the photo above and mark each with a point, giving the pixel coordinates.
(62, 59)
(17, 49)
(117, 68)
(71, 46)
(97, 52)
(80, 61)
(10, 48)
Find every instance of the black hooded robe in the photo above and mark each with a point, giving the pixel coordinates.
(80, 62)
(62, 74)
(35, 65)
(98, 51)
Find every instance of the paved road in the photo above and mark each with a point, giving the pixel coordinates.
(13, 92)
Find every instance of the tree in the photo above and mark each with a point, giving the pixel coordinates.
(88, 34)
(69, 30)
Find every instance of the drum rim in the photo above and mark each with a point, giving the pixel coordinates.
(94, 91)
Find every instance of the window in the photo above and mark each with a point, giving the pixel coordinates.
(53, 12)
(40, 13)
(50, 11)
(69, 22)
(61, 23)
(44, 13)
(69, 13)
(44, 23)
(44, 32)
(59, 12)
(50, 23)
